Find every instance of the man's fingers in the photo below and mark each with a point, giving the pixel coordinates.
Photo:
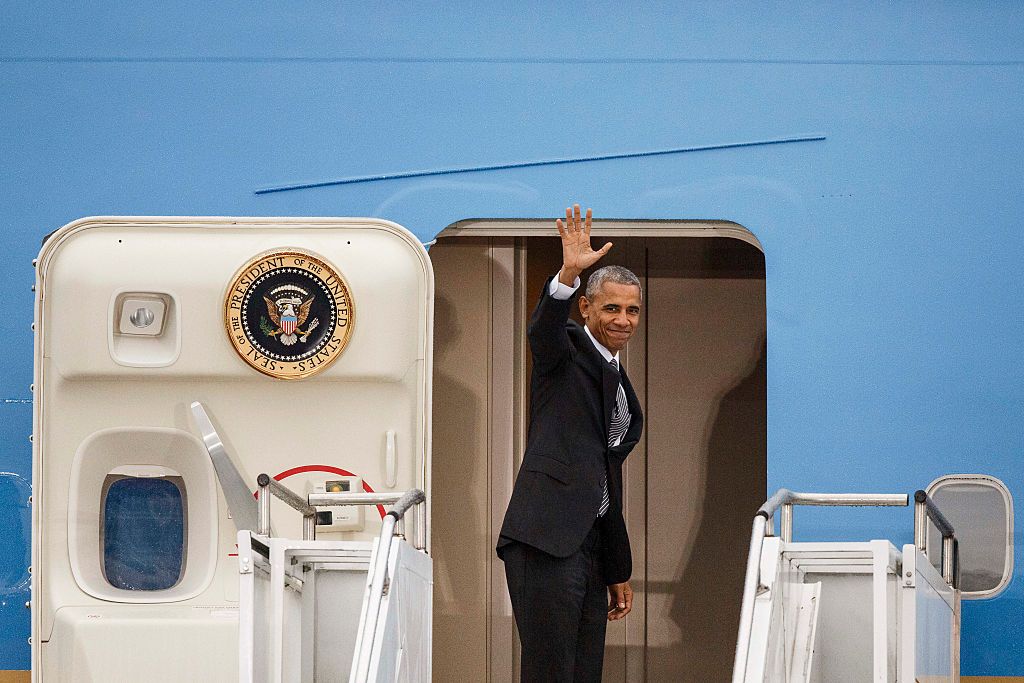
(616, 614)
(576, 216)
(586, 226)
(568, 220)
(618, 611)
(620, 600)
(606, 248)
(561, 228)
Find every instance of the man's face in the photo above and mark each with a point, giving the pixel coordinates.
(613, 315)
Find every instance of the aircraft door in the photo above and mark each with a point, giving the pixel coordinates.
(308, 343)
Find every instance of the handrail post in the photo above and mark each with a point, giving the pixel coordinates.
(263, 509)
(268, 486)
(948, 557)
(920, 525)
(786, 523)
(421, 526)
(378, 582)
(925, 509)
(757, 534)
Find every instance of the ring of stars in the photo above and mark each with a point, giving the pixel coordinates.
(325, 335)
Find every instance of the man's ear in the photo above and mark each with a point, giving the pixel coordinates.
(584, 306)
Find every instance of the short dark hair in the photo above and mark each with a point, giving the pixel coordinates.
(618, 274)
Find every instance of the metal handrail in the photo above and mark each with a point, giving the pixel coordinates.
(379, 583)
(834, 500)
(925, 509)
(268, 485)
(346, 498)
(308, 507)
(750, 582)
(786, 499)
(395, 498)
(390, 527)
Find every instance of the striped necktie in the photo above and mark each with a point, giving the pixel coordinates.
(616, 431)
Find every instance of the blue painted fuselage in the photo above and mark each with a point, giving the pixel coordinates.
(886, 195)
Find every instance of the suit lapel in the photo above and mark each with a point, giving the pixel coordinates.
(591, 360)
(609, 390)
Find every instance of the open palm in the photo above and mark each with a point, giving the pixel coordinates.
(577, 254)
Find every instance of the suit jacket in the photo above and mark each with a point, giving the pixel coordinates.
(558, 490)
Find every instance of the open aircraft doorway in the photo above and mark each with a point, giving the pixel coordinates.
(698, 364)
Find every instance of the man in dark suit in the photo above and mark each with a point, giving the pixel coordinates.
(563, 541)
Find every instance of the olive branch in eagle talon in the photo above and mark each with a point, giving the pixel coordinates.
(286, 308)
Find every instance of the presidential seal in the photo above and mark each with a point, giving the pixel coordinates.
(289, 313)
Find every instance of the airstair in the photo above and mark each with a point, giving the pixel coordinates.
(298, 597)
(831, 612)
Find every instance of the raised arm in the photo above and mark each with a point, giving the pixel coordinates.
(549, 342)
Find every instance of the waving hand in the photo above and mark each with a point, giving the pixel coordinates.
(577, 255)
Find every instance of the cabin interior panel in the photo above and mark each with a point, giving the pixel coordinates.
(706, 448)
(462, 547)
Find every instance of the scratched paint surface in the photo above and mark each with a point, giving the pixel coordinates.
(892, 245)
(15, 533)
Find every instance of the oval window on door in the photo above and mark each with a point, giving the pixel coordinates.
(981, 511)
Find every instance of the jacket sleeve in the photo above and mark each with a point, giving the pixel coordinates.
(549, 342)
(616, 556)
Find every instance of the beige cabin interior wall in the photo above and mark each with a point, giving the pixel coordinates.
(706, 449)
(462, 547)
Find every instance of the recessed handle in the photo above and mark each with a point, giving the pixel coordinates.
(390, 459)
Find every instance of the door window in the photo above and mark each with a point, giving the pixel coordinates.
(981, 511)
(143, 532)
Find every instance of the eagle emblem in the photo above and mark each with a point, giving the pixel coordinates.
(288, 307)
(288, 313)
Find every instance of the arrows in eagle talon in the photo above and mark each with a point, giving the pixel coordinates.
(312, 326)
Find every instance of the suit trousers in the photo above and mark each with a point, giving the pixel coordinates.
(561, 610)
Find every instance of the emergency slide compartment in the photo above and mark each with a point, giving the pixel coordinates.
(306, 343)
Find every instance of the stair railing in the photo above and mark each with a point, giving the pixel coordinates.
(785, 499)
